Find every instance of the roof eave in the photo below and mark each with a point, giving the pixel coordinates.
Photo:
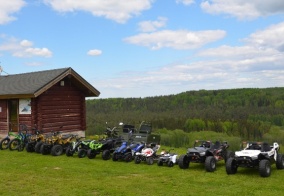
(17, 96)
(92, 92)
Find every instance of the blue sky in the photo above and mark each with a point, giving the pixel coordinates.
(142, 48)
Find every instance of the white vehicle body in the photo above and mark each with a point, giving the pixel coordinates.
(256, 155)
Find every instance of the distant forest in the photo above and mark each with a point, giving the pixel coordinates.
(247, 113)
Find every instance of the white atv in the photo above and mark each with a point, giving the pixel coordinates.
(256, 155)
(148, 154)
(166, 157)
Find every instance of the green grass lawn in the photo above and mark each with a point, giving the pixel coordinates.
(23, 173)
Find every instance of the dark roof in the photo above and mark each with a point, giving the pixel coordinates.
(28, 85)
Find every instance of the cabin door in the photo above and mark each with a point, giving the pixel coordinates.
(13, 105)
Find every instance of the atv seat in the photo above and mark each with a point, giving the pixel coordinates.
(145, 129)
(265, 147)
(67, 136)
(128, 128)
(206, 145)
(216, 145)
(254, 146)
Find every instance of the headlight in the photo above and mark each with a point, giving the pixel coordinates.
(254, 157)
(202, 153)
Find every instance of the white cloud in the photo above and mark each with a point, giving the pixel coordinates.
(8, 8)
(243, 9)
(150, 26)
(272, 37)
(44, 52)
(23, 48)
(117, 10)
(180, 40)
(94, 52)
(185, 2)
(26, 43)
(256, 64)
(34, 64)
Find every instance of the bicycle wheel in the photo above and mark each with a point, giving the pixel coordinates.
(14, 144)
(4, 143)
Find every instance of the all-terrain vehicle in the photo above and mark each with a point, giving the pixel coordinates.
(148, 154)
(142, 134)
(122, 153)
(258, 155)
(205, 152)
(170, 159)
(127, 152)
(56, 144)
(79, 146)
(106, 147)
(35, 138)
(41, 138)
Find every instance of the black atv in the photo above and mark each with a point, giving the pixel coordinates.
(205, 152)
(106, 147)
(79, 146)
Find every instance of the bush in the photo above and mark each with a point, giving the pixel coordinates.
(179, 138)
(276, 134)
(176, 138)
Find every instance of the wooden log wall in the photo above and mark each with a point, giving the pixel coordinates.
(3, 117)
(61, 108)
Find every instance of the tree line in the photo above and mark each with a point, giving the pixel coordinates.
(247, 113)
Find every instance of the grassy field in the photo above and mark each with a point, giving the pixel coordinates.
(23, 173)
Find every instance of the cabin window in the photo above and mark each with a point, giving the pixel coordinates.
(25, 106)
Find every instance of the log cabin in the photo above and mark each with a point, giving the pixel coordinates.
(52, 100)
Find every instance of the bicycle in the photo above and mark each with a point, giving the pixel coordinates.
(4, 143)
(20, 140)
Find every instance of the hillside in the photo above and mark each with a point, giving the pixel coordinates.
(240, 112)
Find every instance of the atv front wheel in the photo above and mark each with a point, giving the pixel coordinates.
(264, 168)
(183, 162)
(30, 147)
(160, 162)
(4, 143)
(231, 166)
(150, 161)
(37, 146)
(106, 155)
(137, 159)
(210, 164)
(82, 153)
(91, 154)
(44, 149)
(115, 156)
(57, 150)
(228, 154)
(280, 161)
(170, 164)
(128, 157)
(69, 152)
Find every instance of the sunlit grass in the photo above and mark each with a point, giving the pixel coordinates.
(23, 173)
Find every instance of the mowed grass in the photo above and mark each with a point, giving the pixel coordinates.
(23, 173)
